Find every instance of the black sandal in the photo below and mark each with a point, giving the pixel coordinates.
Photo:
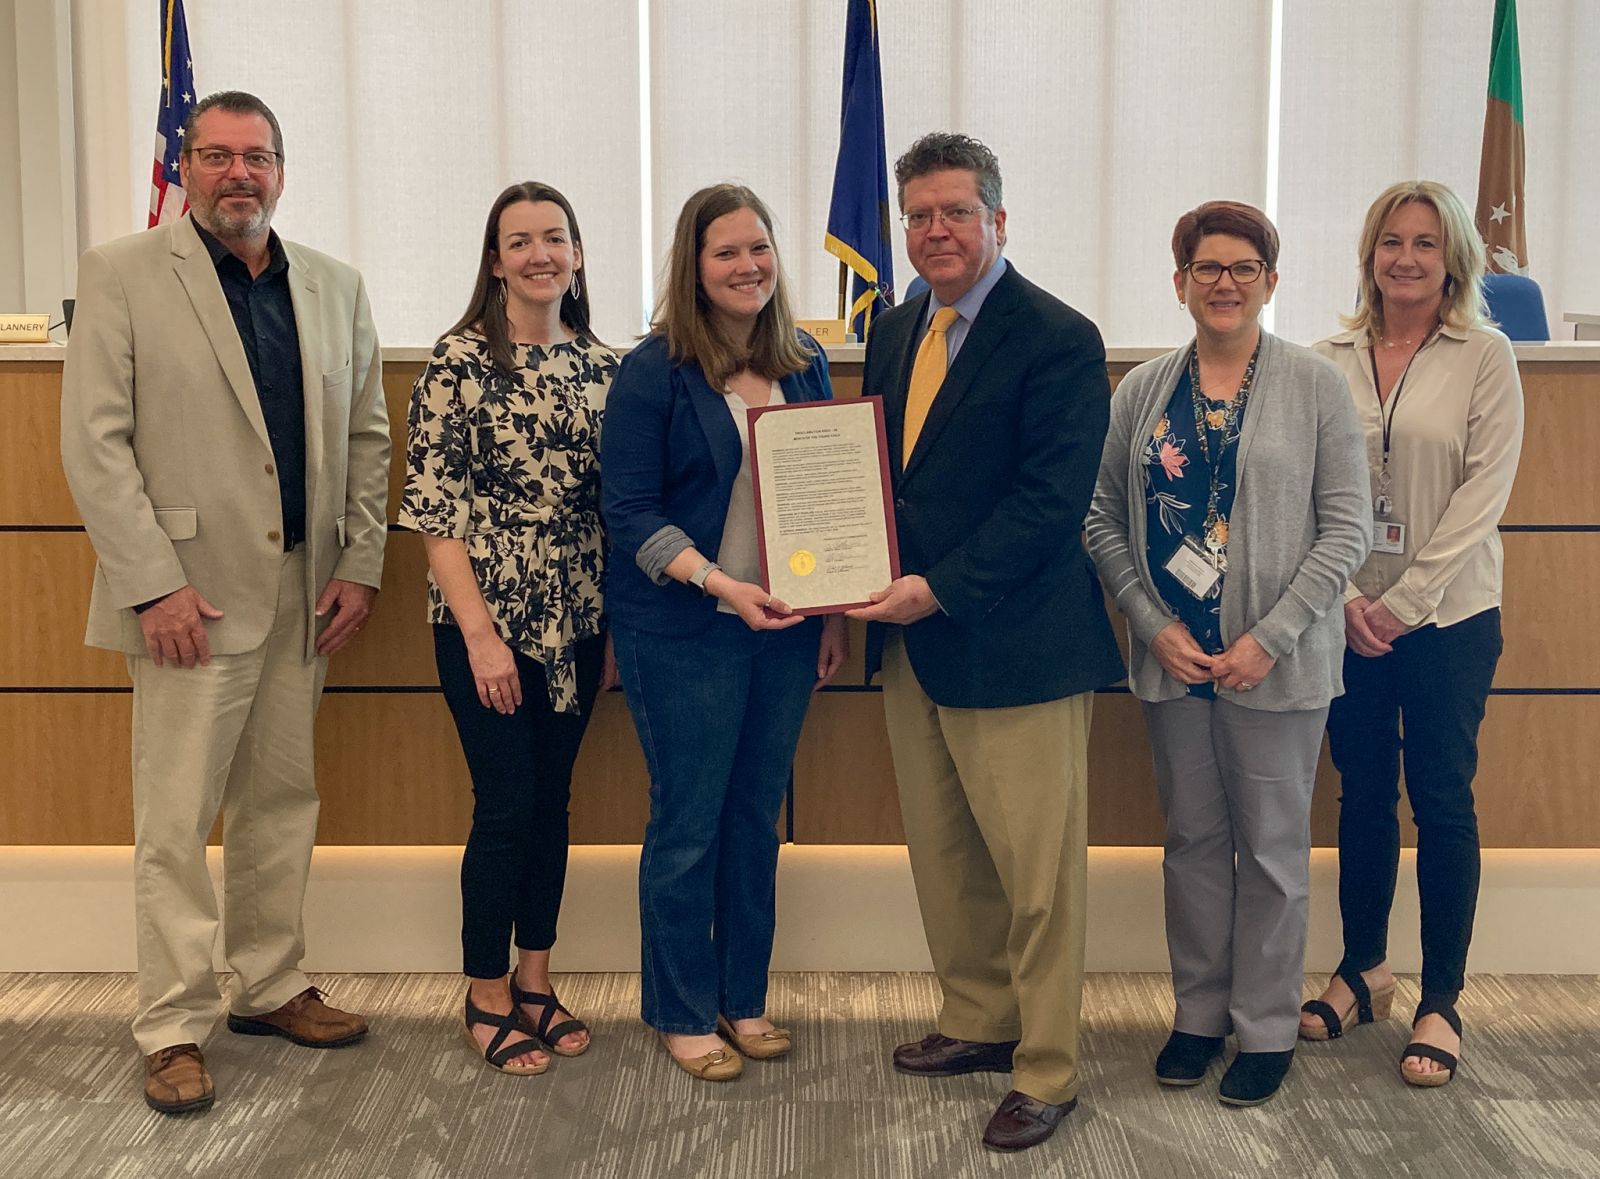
(499, 1055)
(1370, 1006)
(1427, 1051)
(547, 1035)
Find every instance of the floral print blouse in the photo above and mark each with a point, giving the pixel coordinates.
(1177, 485)
(510, 464)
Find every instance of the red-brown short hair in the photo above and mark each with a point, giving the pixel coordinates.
(1230, 217)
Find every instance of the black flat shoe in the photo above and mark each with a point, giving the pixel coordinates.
(1254, 1077)
(1185, 1059)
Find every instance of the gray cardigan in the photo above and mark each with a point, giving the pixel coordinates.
(1301, 524)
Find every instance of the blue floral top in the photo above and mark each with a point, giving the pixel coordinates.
(1177, 487)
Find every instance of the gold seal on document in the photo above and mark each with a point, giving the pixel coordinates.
(801, 563)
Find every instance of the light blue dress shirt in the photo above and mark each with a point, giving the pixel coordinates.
(967, 308)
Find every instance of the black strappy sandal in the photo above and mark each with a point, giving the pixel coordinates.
(499, 1055)
(1370, 1005)
(547, 1035)
(1428, 1052)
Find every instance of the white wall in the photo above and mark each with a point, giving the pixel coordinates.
(1110, 119)
(11, 298)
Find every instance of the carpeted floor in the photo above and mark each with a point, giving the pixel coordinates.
(412, 1102)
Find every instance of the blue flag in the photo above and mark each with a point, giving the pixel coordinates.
(858, 218)
(168, 201)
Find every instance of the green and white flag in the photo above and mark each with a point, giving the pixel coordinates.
(1500, 211)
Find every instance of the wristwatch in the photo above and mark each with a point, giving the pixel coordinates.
(698, 577)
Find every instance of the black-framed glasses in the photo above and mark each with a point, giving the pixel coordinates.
(1245, 271)
(919, 220)
(220, 159)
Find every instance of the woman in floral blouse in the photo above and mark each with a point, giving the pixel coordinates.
(1231, 509)
(503, 482)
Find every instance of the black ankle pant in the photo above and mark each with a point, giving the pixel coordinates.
(1434, 684)
(515, 864)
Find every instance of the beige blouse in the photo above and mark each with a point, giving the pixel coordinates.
(1454, 440)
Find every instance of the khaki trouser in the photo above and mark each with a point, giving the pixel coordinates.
(995, 808)
(236, 735)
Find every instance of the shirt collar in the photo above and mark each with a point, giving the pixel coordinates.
(968, 306)
(1361, 338)
(277, 258)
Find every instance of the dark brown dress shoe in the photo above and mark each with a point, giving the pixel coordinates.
(176, 1080)
(1023, 1121)
(305, 1020)
(941, 1056)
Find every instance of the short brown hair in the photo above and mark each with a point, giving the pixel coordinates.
(234, 102)
(1230, 217)
(940, 151)
(683, 312)
(1462, 249)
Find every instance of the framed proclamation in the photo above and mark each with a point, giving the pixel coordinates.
(824, 510)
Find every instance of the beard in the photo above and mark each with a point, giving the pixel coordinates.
(225, 226)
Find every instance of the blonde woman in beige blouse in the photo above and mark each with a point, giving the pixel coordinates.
(1441, 403)
(503, 483)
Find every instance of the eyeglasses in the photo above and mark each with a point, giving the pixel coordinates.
(220, 159)
(1207, 273)
(919, 220)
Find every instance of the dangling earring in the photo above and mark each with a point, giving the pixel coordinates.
(573, 286)
(500, 292)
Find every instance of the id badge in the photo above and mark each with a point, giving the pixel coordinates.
(1193, 569)
(1388, 536)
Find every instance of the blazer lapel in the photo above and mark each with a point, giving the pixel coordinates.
(198, 275)
(994, 320)
(304, 294)
(722, 437)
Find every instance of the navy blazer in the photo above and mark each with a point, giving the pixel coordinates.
(669, 453)
(990, 506)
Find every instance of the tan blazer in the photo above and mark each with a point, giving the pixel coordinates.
(166, 450)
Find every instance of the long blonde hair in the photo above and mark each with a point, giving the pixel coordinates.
(1464, 257)
(683, 313)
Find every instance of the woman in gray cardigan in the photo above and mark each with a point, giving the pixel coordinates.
(1232, 508)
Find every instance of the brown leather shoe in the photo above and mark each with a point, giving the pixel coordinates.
(942, 1056)
(176, 1080)
(1023, 1121)
(305, 1020)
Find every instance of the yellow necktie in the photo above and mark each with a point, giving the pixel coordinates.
(927, 374)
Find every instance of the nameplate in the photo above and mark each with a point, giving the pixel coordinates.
(828, 331)
(24, 329)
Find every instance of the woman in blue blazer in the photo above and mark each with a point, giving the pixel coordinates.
(717, 673)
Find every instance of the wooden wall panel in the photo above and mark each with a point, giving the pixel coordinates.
(396, 645)
(46, 577)
(391, 769)
(33, 489)
(1557, 482)
(67, 772)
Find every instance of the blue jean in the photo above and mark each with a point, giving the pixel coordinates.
(718, 716)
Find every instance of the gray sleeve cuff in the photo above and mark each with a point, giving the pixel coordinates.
(657, 552)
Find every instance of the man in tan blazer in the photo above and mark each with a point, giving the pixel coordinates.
(224, 433)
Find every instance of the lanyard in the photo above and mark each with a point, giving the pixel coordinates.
(1236, 410)
(1386, 412)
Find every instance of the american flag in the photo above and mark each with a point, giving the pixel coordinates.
(168, 201)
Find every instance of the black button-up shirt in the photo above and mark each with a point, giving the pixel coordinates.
(264, 314)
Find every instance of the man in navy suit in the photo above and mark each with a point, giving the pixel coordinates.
(992, 642)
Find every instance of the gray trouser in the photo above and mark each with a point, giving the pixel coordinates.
(1235, 787)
